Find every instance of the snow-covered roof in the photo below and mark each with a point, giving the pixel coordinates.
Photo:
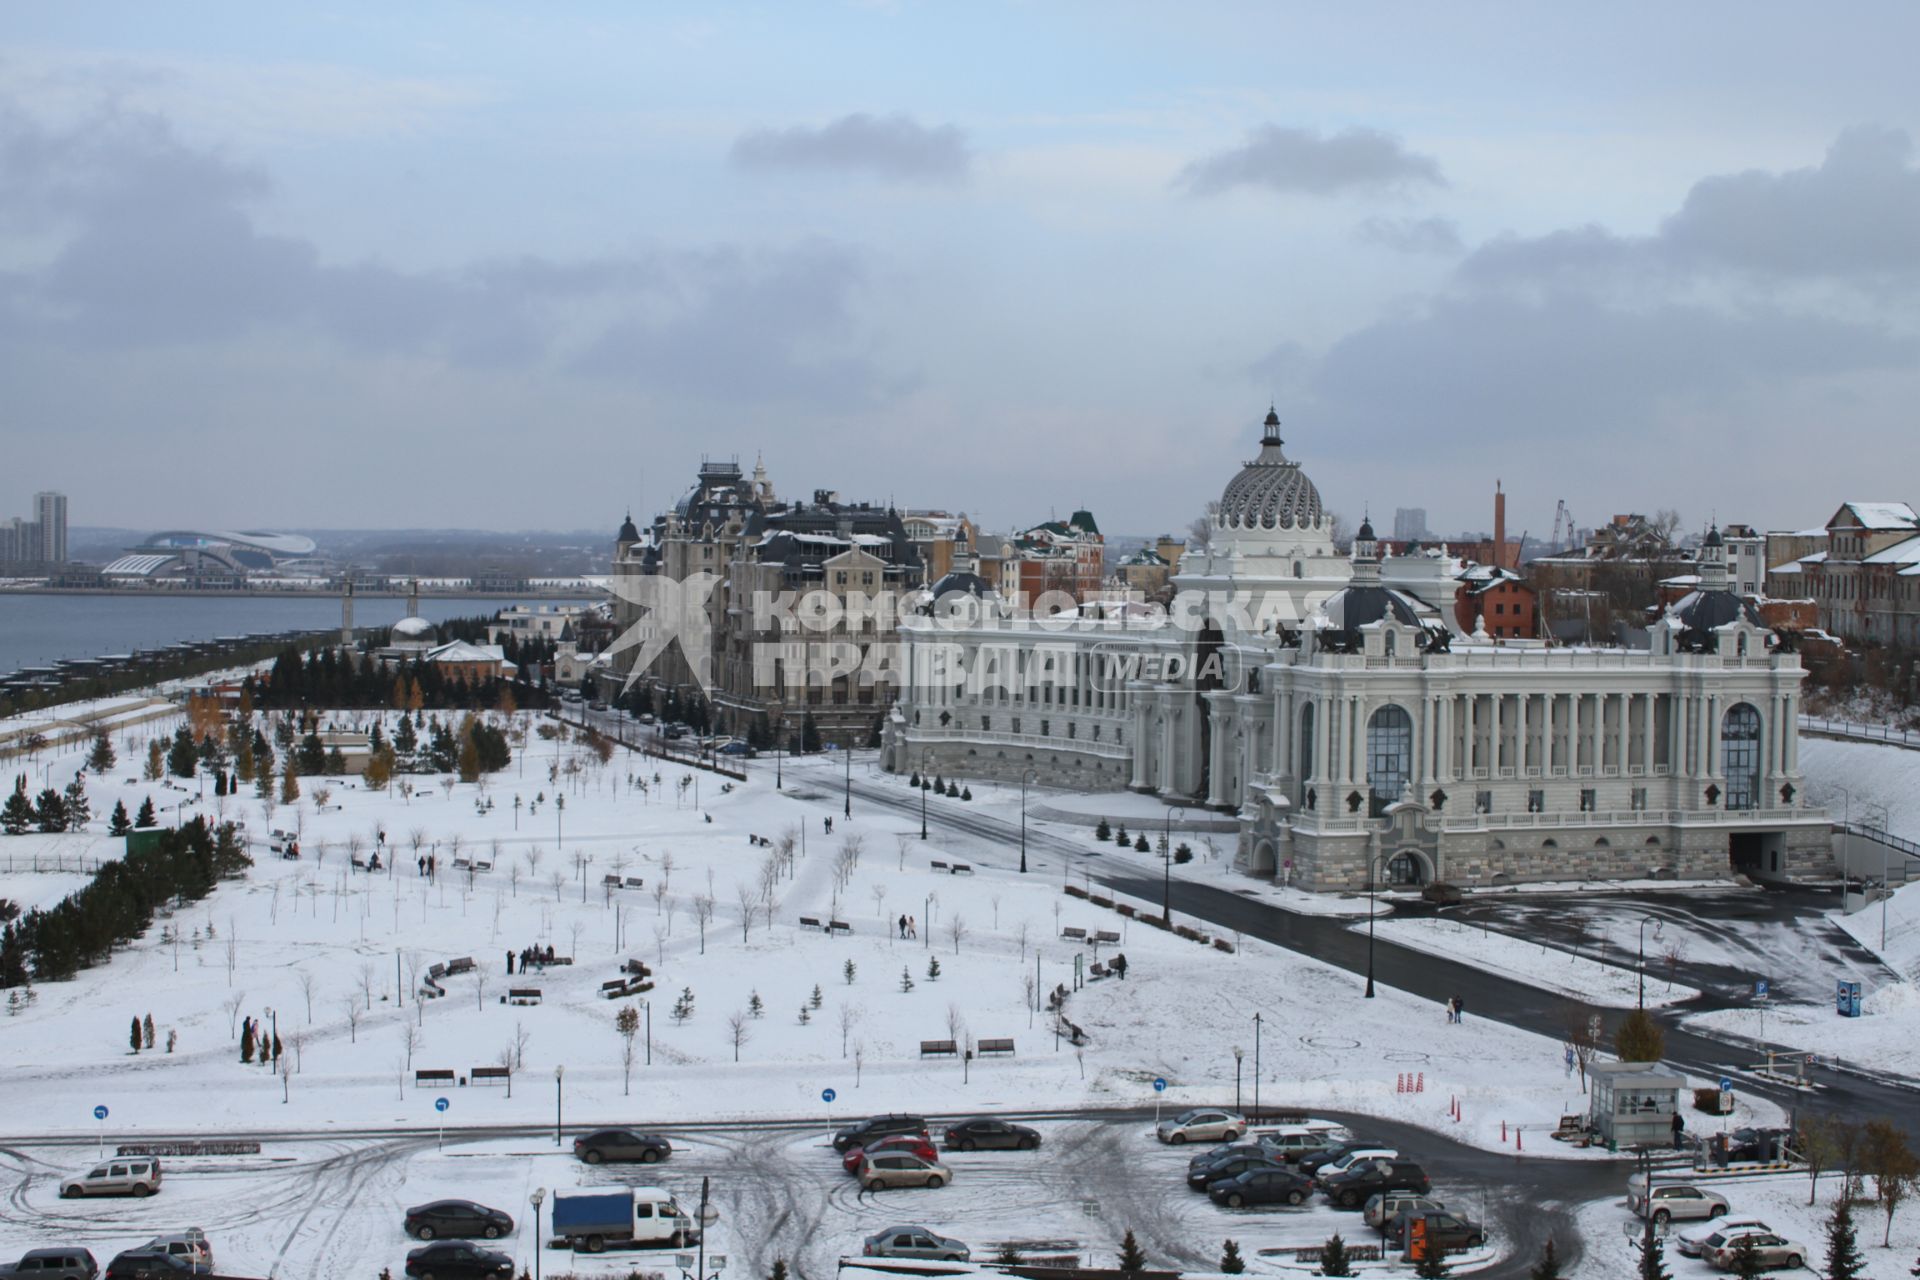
(1907, 552)
(462, 651)
(1883, 515)
(137, 566)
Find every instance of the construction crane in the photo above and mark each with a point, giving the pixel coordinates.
(1563, 532)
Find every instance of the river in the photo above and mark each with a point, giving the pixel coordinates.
(36, 630)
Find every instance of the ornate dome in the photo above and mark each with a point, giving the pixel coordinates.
(1270, 492)
(628, 533)
(414, 630)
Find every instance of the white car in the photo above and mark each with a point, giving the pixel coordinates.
(190, 1246)
(1692, 1242)
(137, 1176)
(1673, 1200)
(1202, 1124)
(1774, 1251)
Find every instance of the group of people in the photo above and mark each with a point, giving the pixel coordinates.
(425, 863)
(530, 956)
(1456, 1009)
(909, 927)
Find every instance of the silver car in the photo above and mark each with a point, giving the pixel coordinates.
(1202, 1124)
(901, 1169)
(1673, 1200)
(139, 1176)
(1384, 1206)
(915, 1242)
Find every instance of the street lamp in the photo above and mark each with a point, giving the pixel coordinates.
(849, 809)
(924, 787)
(539, 1198)
(647, 1005)
(516, 812)
(559, 812)
(1645, 921)
(1846, 811)
(1024, 775)
(1166, 867)
(1885, 888)
(558, 1072)
(1372, 862)
(1256, 1063)
(1239, 1054)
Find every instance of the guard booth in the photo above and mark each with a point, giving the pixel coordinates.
(1633, 1103)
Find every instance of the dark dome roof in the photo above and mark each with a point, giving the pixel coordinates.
(959, 580)
(1702, 612)
(1713, 537)
(628, 533)
(1366, 530)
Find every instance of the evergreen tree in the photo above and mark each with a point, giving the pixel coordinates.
(906, 980)
(1231, 1263)
(1843, 1249)
(79, 809)
(405, 740)
(184, 758)
(290, 784)
(1652, 1251)
(683, 1006)
(1746, 1259)
(1140, 844)
(815, 1001)
(1006, 1255)
(101, 758)
(263, 778)
(1548, 1268)
(966, 793)
(1333, 1257)
(119, 824)
(779, 1271)
(134, 1039)
(17, 815)
(806, 1015)
(809, 734)
(933, 968)
(1120, 835)
(146, 817)
(336, 762)
(914, 781)
(276, 1046)
(1132, 1260)
(146, 1029)
(1639, 1038)
(755, 1005)
(1433, 1263)
(847, 971)
(1103, 832)
(313, 755)
(50, 811)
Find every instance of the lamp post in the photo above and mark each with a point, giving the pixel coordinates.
(1166, 866)
(1885, 888)
(1372, 862)
(1256, 1063)
(1239, 1055)
(648, 1006)
(1024, 775)
(558, 1073)
(538, 1198)
(1644, 922)
(516, 811)
(848, 811)
(924, 787)
(559, 829)
(779, 743)
(926, 916)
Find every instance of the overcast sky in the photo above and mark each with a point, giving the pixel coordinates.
(514, 265)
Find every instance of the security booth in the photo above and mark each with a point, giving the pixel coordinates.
(1633, 1103)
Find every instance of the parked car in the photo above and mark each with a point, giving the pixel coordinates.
(1673, 1200)
(991, 1135)
(190, 1245)
(1383, 1207)
(1443, 1229)
(64, 1263)
(1202, 1124)
(1229, 1167)
(147, 1264)
(914, 1242)
(1350, 1189)
(456, 1218)
(859, 1135)
(135, 1177)
(1442, 894)
(1756, 1144)
(1774, 1251)
(1314, 1161)
(900, 1169)
(738, 748)
(911, 1143)
(1347, 1159)
(621, 1144)
(1293, 1142)
(1231, 1149)
(1278, 1185)
(1693, 1241)
(457, 1260)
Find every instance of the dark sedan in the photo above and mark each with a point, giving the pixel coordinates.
(1231, 1167)
(454, 1260)
(147, 1264)
(608, 1145)
(1351, 1189)
(1310, 1164)
(1261, 1186)
(456, 1218)
(1215, 1154)
(991, 1135)
(1444, 1229)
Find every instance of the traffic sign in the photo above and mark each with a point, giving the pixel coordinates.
(828, 1095)
(100, 1112)
(1726, 1084)
(441, 1104)
(1159, 1084)
(1760, 988)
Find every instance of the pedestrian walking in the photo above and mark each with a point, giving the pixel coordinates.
(1679, 1127)
(913, 927)
(903, 925)
(1459, 1009)
(1452, 1010)
(509, 964)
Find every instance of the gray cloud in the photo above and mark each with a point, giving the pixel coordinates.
(156, 245)
(1303, 162)
(893, 147)
(1412, 235)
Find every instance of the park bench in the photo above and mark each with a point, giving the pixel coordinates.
(491, 1075)
(1073, 933)
(436, 970)
(463, 965)
(1358, 1252)
(960, 868)
(839, 926)
(522, 995)
(610, 880)
(939, 1048)
(808, 922)
(359, 864)
(985, 1047)
(462, 864)
(1106, 935)
(637, 968)
(635, 882)
(938, 866)
(481, 864)
(1098, 971)
(613, 984)
(433, 1076)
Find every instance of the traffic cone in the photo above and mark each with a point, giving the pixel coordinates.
(1421, 1085)
(1519, 1143)
(1503, 1133)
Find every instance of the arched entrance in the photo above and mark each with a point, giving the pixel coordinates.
(1407, 869)
(1740, 755)
(1389, 756)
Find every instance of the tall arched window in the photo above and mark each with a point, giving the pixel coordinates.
(1389, 755)
(1740, 755)
(1306, 742)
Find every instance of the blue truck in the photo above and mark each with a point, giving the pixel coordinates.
(595, 1217)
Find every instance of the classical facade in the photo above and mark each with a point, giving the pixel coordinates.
(1334, 706)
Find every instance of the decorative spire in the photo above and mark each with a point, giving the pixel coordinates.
(1271, 435)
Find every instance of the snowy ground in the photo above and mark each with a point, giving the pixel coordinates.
(1581, 977)
(1865, 781)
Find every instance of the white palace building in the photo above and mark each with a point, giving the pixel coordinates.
(1331, 706)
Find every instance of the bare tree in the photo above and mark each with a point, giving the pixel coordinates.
(903, 840)
(859, 1060)
(233, 1003)
(739, 1030)
(995, 900)
(307, 985)
(702, 913)
(351, 1008)
(1022, 935)
(410, 1037)
(659, 894)
(505, 1059)
(666, 870)
(957, 930)
(1032, 1004)
(513, 878)
(559, 882)
(574, 928)
(533, 857)
(660, 944)
(416, 837)
(521, 1038)
(747, 898)
(956, 1027)
(879, 892)
(1200, 531)
(364, 975)
(1676, 953)
(480, 988)
(1585, 1035)
(627, 1023)
(789, 841)
(233, 952)
(849, 1015)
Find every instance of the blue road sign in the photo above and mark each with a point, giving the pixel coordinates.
(1760, 988)
(100, 1112)
(828, 1095)
(1726, 1084)
(441, 1104)
(1159, 1084)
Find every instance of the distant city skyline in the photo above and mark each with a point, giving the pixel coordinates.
(367, 266)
